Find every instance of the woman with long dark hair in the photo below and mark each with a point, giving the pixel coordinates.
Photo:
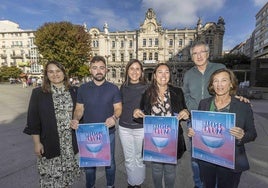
(131, 133)
(163, 99)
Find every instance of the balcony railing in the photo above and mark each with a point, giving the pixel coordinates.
(16, 56)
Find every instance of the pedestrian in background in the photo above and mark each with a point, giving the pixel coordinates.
(50, 111)
(163, 99)
(99, 101)
(222, 86)
(131, 133)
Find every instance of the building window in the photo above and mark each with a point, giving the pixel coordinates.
(122, 72)
(191, 42)
(122, 44)
(113, 44)
(113, 73)
(156, 42)
(210, 41)
(122, 57)
(95, 43)
(150, 56)
(113, 57)
(180, 42)
(130, 56)
(150, 42)
(144, 56)
(170, 42)
(130, 44)
(156, 56)
(170, 56)
(144, 42)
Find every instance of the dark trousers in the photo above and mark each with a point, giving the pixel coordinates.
(217, 176)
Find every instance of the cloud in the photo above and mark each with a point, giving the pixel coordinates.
(68, 7)
(115, 22)
(181, 12)
(259, 3)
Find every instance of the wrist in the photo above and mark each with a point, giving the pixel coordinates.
(115, 117)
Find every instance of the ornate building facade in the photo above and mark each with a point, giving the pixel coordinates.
(152, 44)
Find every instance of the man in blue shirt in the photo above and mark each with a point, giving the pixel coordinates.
(99, 101)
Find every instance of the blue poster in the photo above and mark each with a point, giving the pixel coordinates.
(212, 141)
(160, 139)
(93, 144)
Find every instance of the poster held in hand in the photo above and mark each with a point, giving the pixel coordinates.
(212, 141)
(160, 139)
(93, 144)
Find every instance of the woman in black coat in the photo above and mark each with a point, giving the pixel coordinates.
(162, 99)
(222, 86)
(50, 111)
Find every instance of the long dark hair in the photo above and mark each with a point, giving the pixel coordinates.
(142, 79)
(46, 86)
(153, 89)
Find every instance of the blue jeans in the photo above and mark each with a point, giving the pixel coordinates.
(109, 170)
(195, 167)
(163, 169)
(196, 174)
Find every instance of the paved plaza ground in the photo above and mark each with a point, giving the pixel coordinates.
(17, 160)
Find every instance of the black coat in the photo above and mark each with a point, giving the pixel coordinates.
(177, 104)
(41, 120)
(244, 120)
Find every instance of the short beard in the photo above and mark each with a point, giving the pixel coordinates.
(99, 79)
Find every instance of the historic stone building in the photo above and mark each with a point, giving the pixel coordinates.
(152, 44)
(17, 48)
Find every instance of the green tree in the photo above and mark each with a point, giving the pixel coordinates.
(9, 72)
(233, 60)
(64, 42)
(83, 71)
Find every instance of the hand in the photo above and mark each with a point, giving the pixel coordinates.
(237, 132)
(191, 132)
(74, 124)
(110, 122)
(242, 99)
(184, 114)
(138, 113)
(38, 149)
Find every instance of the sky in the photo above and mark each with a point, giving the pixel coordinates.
(127, 15)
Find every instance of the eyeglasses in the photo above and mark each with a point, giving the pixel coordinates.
(195, 54)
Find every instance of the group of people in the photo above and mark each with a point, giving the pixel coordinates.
(56, 109)
(27, 82)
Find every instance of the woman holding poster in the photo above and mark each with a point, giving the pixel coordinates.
(223, 86)
(163, 99)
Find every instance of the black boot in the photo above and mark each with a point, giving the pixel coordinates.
(130, 186)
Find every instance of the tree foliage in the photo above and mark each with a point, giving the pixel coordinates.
(233, 60)
(64, 42)
(9, 72)
(83, 71)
